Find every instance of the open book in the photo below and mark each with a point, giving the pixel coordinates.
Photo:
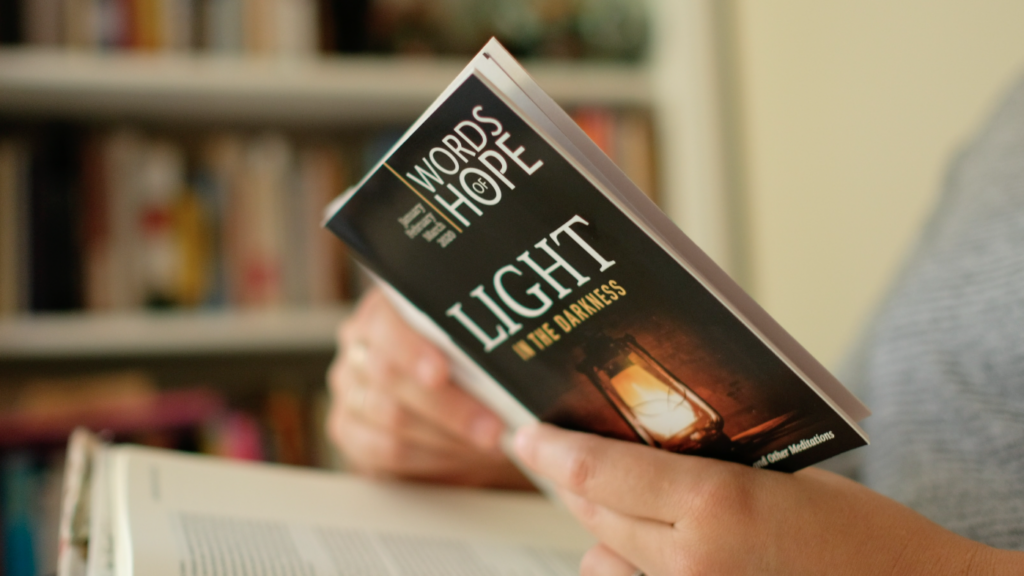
(130, 510)
(562, 293)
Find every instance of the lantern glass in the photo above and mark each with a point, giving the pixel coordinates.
(662, 409)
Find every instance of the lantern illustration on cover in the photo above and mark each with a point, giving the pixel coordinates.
(662, 410)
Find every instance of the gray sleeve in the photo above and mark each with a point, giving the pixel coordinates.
(942, 365)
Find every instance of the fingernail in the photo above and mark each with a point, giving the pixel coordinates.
(485, 430)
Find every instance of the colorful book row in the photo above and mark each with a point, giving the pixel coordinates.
(563, 28)
(279, 425)
(122, 219)
(115, 219)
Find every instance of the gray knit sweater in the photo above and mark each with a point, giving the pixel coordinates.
(943, 365)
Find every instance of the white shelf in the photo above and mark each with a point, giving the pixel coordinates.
(223, 88)
(85, 335)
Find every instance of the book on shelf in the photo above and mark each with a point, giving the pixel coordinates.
(261, 27)
(276, 423)
(302, 28)
(626, 138)
(561, 293)
(131, 510)
(46, 411)
(13, 236)
(117, 219)
(29, 502)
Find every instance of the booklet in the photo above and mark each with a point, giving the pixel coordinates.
(562, 293)
(130, 510)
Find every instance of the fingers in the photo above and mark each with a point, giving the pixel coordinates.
(369, 449)
(381, 352)
(630, 478)
(454, 411)
(603, 561)
(395, 351)
(395, 413)
(372, 450)
(358, 397)
(405, 406)
(631, 542)
(383, 411)
(378, 407)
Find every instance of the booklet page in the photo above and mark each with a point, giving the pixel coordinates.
(188, 515)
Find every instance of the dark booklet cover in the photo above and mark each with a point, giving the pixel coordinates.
(525, 250)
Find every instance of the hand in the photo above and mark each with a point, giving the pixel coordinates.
(671, 514)
(394, 411)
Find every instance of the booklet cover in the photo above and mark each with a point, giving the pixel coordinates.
(558, 286)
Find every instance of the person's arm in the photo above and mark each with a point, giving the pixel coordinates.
(395, 412)
(671, 514)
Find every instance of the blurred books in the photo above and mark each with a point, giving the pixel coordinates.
(607, 29)
(122, 219)
(275, 425)
(126, 218)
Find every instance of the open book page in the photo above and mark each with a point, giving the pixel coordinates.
(184, 515)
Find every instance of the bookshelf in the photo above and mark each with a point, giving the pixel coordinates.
(268, 366)
(352, 91)
(172, 333)
(677, 83)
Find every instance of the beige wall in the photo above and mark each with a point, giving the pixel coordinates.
(848, 113)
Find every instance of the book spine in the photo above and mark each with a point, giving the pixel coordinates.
(296, 28)
(17, 476)
(216, 180)
(129, 25)
(160, 191)
(55, 274)
(287, 429)
(97, 257)
(47, 512)
(10, 22)
(43, 21)
(23, 234)
(267, 163)
(599, 124)
(181, 24)
(108, 24)
(323, 178)
(81, 24)
(634, 150)
(11, 225)
(236, 436)
(143, 25)
(121, 157)
(195, 247)
(298, 249)
(347, 23)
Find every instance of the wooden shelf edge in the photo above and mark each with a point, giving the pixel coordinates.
(95, 335)
(235, 88)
